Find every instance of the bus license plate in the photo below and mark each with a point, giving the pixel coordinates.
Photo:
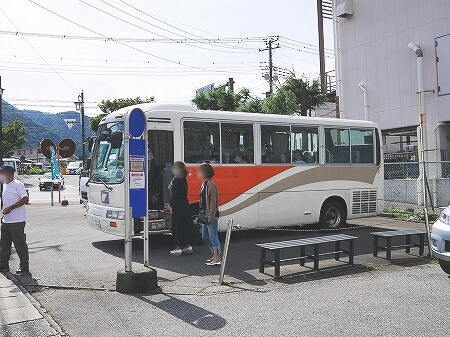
(159, 225)
(96, 223)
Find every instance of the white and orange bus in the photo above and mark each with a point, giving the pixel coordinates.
(271, 170)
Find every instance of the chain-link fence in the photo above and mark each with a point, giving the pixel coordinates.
(410, 185)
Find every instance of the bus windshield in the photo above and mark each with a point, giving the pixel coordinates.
(108, 156)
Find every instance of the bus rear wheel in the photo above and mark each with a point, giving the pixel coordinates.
(332, 215)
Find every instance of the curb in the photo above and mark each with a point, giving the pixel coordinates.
(57, 329)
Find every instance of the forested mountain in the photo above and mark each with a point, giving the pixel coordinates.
(40, 125)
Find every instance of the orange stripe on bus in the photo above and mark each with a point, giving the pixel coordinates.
(232, 181)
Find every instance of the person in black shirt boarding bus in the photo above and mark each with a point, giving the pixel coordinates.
(179, 206)
(14, 198)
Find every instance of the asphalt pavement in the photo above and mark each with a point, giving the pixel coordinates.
(69, 192)
(74, 269)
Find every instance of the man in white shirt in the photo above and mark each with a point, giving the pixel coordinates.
(14, 198)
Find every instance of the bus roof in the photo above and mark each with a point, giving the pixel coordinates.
(188, 110)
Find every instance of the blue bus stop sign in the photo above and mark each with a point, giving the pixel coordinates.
(136, 122)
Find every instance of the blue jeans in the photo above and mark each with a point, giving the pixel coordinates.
(211, 237)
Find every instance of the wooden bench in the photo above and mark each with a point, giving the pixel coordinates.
(315, 242)
(389, 235)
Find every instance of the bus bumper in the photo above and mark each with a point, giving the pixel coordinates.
(106, 219)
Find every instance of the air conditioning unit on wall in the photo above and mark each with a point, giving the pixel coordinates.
(344, 9)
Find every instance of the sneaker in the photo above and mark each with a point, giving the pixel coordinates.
(22, 270)
(4, 269)
(210, 259)
(213, 263)
(176, 252)
(187, 250)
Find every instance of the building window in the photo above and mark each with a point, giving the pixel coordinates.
(237, 143)
(275, 144)
(201, 142)
(305, 145)
(337, 146)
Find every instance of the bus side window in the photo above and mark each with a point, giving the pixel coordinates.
(305, 145)
(362, 146)
(201, 142)
(337, 146)
(275, 144)
(237, 143)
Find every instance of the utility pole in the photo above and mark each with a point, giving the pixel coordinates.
(79, 105)
(82, 129)
(321, 46)
(270, 47)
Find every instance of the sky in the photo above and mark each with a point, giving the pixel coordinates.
(141, 49)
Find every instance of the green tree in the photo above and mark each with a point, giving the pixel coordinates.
(107, 106)
(308, 94)
(282, 102)
(13, 137)
(226, 100)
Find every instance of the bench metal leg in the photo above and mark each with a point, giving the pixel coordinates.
(277, 262)
(316, 257)
(262, 261)
(375, 246)
(337, 247)
(408, 242)
(302, 254)
(351, 251)
(389, 249)
(421, 244)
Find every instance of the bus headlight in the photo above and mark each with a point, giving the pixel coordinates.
(445, 216)
(119, 215)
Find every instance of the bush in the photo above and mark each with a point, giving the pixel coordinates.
(36, 170)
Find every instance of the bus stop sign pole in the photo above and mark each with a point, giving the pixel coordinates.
(136, 201)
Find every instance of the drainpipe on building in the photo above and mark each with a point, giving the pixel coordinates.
(366, 102)
(437, 157)
(423, 135)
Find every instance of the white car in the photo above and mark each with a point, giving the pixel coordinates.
(440, 240)
(74, 167)
(47, 183)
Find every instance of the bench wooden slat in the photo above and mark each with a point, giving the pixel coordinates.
(400, 233)
(305, 242)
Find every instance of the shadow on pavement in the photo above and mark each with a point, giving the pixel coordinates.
(243, 255)
(187, 312)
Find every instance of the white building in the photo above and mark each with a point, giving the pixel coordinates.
(371, 40)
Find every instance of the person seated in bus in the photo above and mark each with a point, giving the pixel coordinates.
(238, 158)
(297, 157)
(179, 207)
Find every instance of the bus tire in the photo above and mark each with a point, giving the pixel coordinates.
(332, 215)
(445, 266)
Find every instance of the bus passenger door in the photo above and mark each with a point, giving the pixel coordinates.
(160, 161)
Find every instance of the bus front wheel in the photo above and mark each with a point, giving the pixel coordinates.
(332, 215)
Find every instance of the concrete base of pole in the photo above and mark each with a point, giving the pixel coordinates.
(140, 280)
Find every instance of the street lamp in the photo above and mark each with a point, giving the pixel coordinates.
(79, 106)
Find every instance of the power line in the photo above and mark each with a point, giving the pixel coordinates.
(149, 31)
(159, 20)
(37, 51)
(304, 43)
(121, 43)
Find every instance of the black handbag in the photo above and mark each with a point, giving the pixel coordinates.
(201, 219)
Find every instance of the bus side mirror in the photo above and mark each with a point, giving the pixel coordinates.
(116, 139)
